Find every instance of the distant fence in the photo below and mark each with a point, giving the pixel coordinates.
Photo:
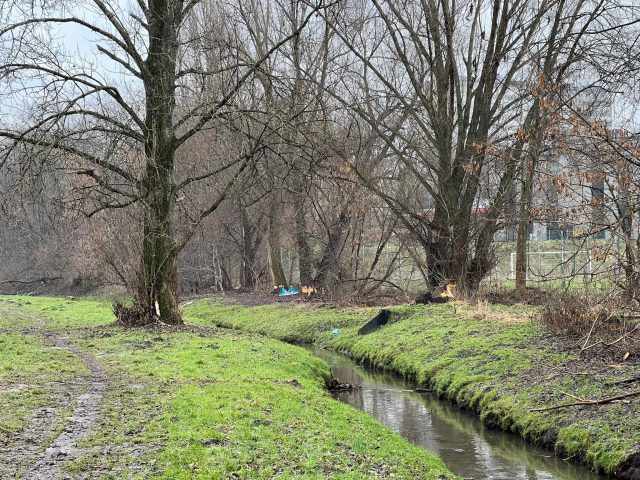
(554, 264)
(584, 260)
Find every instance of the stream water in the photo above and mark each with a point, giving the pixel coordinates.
(459, 438)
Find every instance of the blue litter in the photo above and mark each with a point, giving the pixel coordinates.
(285, 293)
(335, 331)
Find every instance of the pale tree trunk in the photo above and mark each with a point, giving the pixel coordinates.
(524, 218)
(300, 179)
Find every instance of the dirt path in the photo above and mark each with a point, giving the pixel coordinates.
(37, 451)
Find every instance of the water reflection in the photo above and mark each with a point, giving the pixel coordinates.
(459, 438)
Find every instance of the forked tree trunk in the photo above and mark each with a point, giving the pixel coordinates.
(446, 251)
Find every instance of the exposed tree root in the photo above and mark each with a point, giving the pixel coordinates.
(134, 316)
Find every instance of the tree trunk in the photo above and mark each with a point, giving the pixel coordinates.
(276, 270)
(523, 230)
(158, 275)
(630, 262)
(525, 204)
(329, 266)
(157, 294)
(249, 247)
(304, 250)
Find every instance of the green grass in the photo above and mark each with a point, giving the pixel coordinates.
(66, 313)
(494, 360)
(30, 370)
(206, 404)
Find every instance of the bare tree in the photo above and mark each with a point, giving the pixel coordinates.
(161, 73)
(447, 86)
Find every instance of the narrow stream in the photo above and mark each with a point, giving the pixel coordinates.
(459, 438)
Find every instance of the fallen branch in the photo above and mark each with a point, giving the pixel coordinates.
(587, 402)
(35, 280)
(610, 344)
(628, 380)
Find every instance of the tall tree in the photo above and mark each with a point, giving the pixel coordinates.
(121, 114)
(446, 85)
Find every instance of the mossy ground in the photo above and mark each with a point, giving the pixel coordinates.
(193, 403)
(493, 359)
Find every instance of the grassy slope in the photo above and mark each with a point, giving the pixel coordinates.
(492, 360)
(188, 405)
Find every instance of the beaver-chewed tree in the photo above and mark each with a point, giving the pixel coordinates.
(122, 108)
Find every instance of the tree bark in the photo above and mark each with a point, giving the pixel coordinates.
(276, 270)
(523, 230)
(249, 249)
(329, 266)
(304, 250)
(158, 275)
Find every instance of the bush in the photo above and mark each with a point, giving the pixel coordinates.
(598, 322)
(576, 315)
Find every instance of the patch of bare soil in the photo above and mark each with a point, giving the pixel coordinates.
(37, 451)
(21, 450)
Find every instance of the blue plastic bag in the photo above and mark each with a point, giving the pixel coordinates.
(285, 293)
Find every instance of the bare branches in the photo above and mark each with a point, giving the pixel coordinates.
(124, 44)
(203, 115)
(95, 160)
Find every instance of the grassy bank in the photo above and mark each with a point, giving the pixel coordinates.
(494, 360)
(195, 403)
